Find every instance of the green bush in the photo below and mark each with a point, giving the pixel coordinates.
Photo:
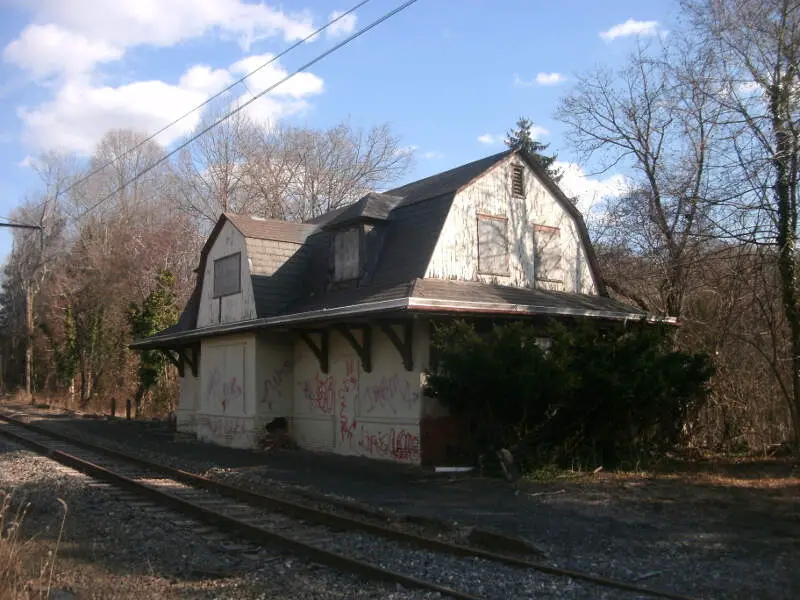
(597, 395)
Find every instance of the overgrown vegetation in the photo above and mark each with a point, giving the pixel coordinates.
(16, 556)
(590, 396)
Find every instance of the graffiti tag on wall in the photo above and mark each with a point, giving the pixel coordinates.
(347, 394)
(226, 391)
(391, 393)
(273, 384)
(400, 445)
(318, 392)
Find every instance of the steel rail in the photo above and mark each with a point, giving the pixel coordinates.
(230, 524)
(322, 516)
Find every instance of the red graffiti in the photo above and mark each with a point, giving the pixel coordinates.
(401, 446)
(348, 386)
(390, 391)
(231, 390)
(320, 394)
(227, 391)
(273, 384)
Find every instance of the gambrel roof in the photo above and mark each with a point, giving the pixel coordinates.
(409, 222)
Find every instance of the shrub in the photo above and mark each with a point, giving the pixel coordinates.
(595, 395)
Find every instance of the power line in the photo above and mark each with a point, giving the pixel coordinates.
(309, 64)
(241, 80)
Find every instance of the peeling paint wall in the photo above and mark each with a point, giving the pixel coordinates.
(227, 406)
(349, 411)
(456, 252)
(228, 309)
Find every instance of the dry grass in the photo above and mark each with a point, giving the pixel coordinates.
(20, 579)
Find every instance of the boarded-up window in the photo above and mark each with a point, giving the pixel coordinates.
(492, 245)
(547, 253)
(517, 181)
(228, 275)
(346, 255)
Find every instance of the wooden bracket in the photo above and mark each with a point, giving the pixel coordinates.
(404, 345)
(321, 351)
(364, 349)
(178, 360)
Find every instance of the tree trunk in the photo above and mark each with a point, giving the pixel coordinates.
(29, 341)
(787, 223)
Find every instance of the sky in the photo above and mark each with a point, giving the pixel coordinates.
(449, 76)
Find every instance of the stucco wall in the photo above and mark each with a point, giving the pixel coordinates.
(187, 402)
(349, 411)
(228, 309)
(227, 400)
(456, 252)
(274, 377)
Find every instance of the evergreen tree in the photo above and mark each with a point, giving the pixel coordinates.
(157, 312)
(521, 139)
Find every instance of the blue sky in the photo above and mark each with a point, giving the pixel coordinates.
(451, 76)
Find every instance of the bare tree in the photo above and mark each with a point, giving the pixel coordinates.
(756, 46)
(646, 119)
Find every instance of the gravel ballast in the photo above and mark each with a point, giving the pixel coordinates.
(725, 543)
(114, 548)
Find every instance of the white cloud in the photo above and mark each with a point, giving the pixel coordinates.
(71, 36)
(299, 86)
(489, 139)
(26, 162)
(342, 27)
(550, 78)
(590, 191)
(629, 28)
(540, 79)
(80, 113)
(432, 155)
(45, 50)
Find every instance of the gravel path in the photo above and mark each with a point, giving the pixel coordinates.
(114, 549)
(732, 544)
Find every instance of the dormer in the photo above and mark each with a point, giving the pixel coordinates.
(355, 238)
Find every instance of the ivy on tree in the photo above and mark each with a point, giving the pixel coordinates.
(157, 312)
(522, 139)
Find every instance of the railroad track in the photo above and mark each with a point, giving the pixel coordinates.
(302, 529)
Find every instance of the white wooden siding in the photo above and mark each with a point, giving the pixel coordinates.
(226, 408)
(233, 308)
(349, 411)
(456, 252)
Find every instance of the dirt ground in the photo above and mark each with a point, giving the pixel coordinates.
(715, 527)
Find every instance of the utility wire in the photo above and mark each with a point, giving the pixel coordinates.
(241, 80)
(309, 64)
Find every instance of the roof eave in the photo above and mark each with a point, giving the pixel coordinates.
(461, 307)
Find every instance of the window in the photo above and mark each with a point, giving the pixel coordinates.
(346, 265)
(492, 245)
(547, 253)
(228, 275)
(517, 181)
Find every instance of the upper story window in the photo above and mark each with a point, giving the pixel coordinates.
(547, 253)
(492, 245)
(517, 181)
(346, 258)
(228, 275)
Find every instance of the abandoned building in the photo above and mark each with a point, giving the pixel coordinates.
(328, 323)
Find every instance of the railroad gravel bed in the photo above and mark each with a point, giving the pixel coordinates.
(112, 548)
(700, 549)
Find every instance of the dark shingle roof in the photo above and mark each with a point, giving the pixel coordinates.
(372, 207)
(408, 221)
(271, 229)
